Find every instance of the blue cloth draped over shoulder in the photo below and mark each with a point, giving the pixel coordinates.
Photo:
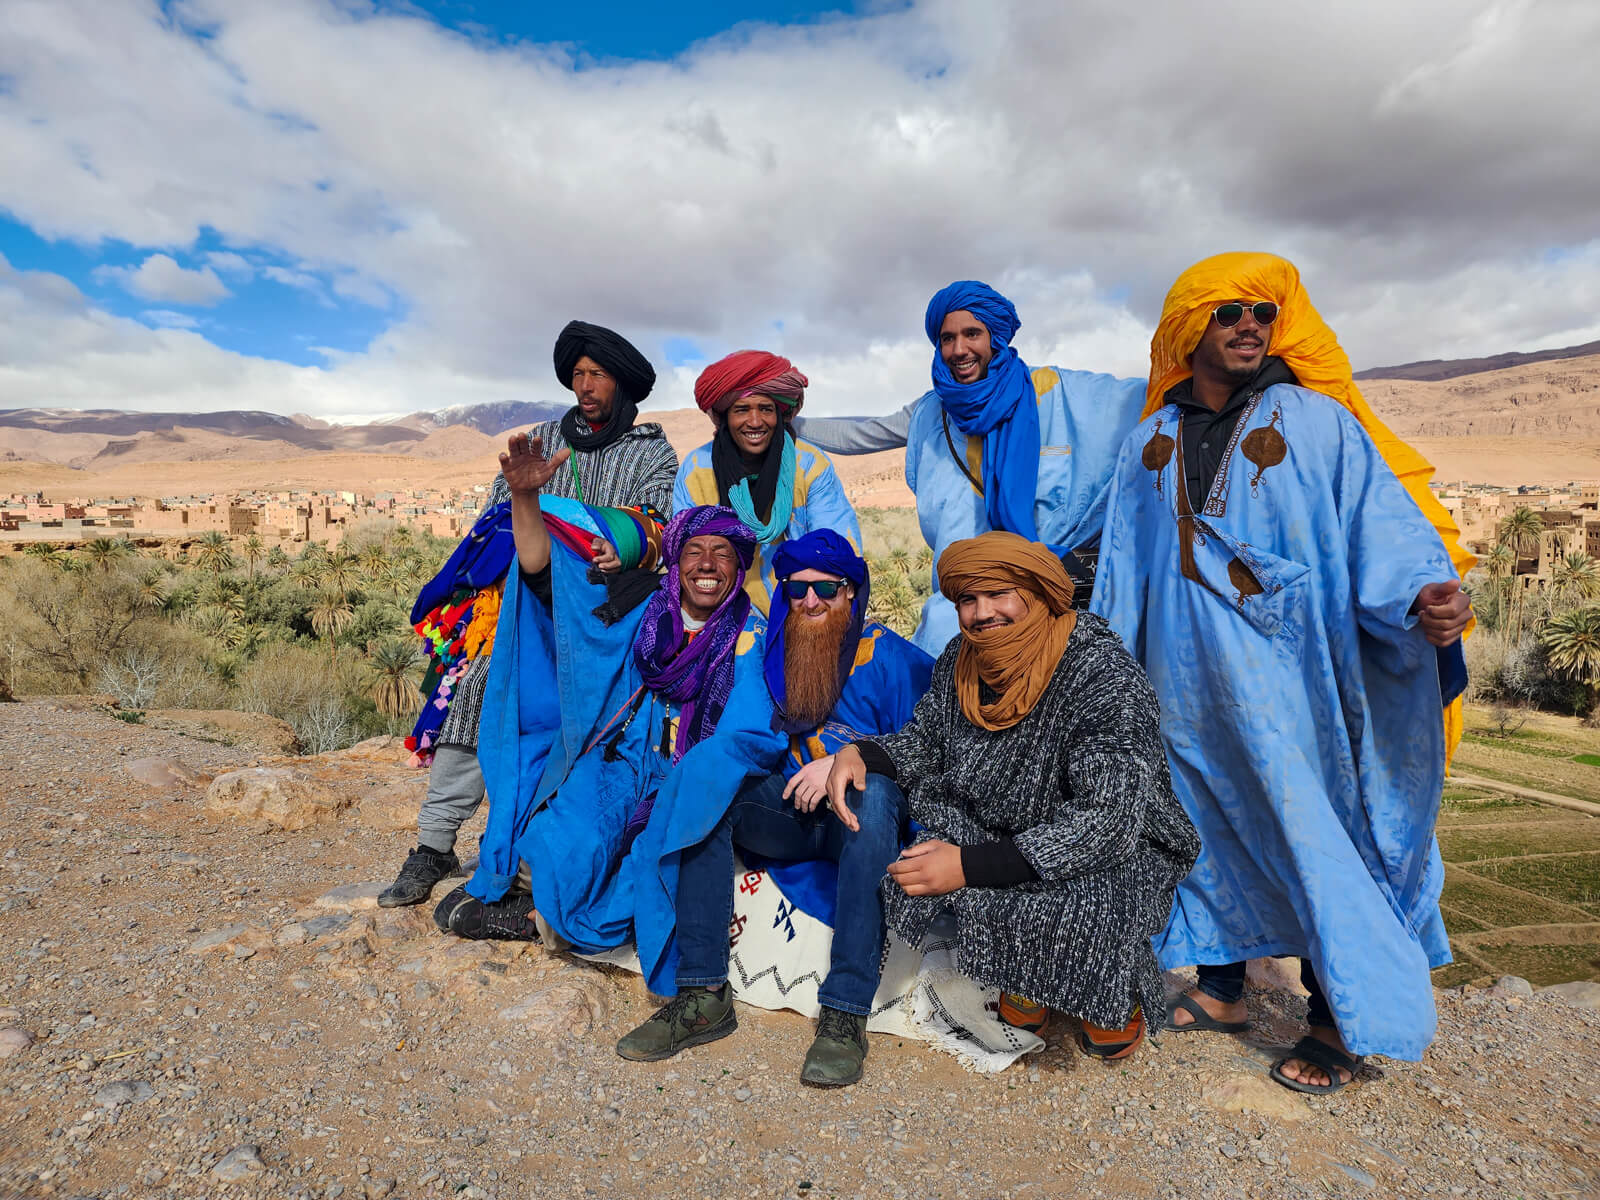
(1300, 705)
(565, 767)
(1082, 419)
(999, 408)
(482, 558)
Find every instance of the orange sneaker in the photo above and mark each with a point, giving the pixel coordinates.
(1111, 1044)
(1021, 1013)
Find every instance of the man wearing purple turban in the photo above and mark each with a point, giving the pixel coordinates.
(596, 706)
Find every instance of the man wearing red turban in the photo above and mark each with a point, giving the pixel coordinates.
(780, 486)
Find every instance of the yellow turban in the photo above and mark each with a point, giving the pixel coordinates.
(1302, 339)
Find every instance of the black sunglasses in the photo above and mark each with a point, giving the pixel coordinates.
(1228, 315)
(826, 589)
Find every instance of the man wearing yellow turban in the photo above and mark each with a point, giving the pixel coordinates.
(1275, 561)
(1034, 767)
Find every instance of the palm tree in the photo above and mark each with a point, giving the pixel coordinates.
(895, 606)
(331, 614)
(48, 553)
(342, 573)
(1499, 563)
(219, 625)
(277, 560)
(150, 589)
(101, 552)
(900, 560)
(373, 559)
(1521, 531)
(310, 573)
(924, 559)
(1572, 639)
(394, 690)
(254, 550)
(213, 553)
(1577, 576)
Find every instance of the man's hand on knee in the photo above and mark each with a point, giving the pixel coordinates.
(848, 771)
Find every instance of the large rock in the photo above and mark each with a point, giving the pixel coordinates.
(386, 751)
(287, 797)
(393, 806)
(571, 1007)
(14, 1041)
(1580, 992)
(164, 774)
(1257, 1094)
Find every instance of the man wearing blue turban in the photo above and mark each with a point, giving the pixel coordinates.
(997, 445)
(832, 677)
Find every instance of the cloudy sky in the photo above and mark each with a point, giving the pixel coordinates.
(357, 209)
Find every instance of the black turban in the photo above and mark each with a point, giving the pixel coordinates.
(632, 371)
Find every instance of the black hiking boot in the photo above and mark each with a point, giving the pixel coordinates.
(423, 870)
(506, 920)
(837, 1054)
(692, 1017)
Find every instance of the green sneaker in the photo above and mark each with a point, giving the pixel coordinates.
(690, 1018)
(840, 1048)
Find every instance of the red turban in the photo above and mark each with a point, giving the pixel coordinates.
(749, 373)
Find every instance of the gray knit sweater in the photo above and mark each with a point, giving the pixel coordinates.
(637, 468)
(1081, 786)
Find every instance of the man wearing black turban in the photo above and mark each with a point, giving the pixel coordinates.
(605, 460)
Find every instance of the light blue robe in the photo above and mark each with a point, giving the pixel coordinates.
(560, 803)
(1300, 705)
(1083, 418)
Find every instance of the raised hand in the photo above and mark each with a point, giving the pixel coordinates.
(525, 466)
(1443, 611)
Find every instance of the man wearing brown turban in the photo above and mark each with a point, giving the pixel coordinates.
(1035, 767)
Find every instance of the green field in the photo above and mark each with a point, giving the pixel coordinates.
(1522, 879)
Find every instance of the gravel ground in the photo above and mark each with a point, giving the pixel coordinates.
(217, 1009)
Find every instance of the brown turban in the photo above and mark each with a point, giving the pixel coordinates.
(1018, 660)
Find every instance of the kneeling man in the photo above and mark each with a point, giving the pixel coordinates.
(831, 678)
(1035, 767)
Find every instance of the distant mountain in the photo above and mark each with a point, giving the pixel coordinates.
(1435, 369)
(496, 416)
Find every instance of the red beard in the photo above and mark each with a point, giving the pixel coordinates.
(811, 665)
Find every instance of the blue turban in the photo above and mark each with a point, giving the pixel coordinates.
(820, 550)
(1001, 407)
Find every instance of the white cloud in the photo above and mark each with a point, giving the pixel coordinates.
(160, 277)
(1419, 162)
(168, 319)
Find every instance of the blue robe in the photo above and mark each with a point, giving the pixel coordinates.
(1083, 418)
(886, 680)
(560, 796)
(1300, 705)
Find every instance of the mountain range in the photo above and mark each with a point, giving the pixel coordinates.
(1509, 418)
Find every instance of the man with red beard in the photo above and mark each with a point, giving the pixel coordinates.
(832, 678)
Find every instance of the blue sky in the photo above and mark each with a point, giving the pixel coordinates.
(285, 310)
(360, 208)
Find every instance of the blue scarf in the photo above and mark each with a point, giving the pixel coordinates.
(1001, 407)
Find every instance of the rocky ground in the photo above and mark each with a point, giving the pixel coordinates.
(195, 1002)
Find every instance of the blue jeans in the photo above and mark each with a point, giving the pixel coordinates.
(1226, 983)
(761, 820)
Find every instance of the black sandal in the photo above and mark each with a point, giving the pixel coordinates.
(1319, 1054)
(1203, 1021)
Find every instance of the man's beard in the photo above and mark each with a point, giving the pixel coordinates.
(811, 665)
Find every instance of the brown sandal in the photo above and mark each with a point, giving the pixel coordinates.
(1110, 1044)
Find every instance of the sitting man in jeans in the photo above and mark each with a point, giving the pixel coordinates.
(832, 678)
